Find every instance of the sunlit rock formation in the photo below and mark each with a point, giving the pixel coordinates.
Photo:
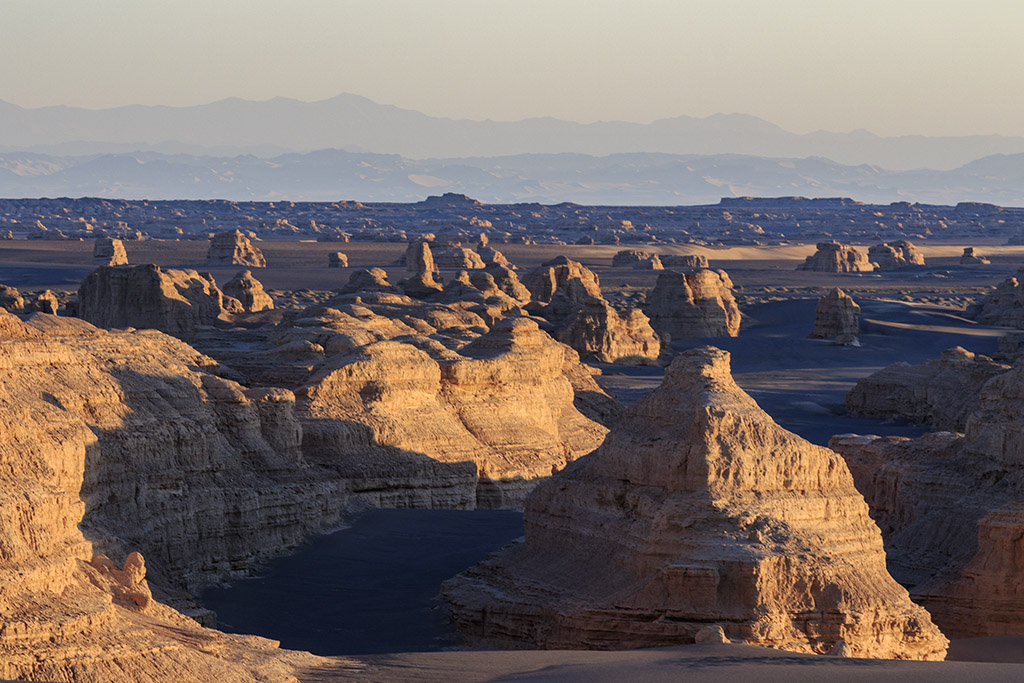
(684, 261)
(174, 301)
(971, 258)
(893, 255)
(1004, 306)
(698, 303)
(833, 257)
(837, 316)
(108, 251)
(337, 259)
(233, 248)
(248, 291)
(940, 393)
(696, 509)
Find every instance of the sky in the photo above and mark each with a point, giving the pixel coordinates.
(894, 67)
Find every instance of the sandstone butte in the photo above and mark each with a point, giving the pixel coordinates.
(115, 442)
(233, 248)
(698, 303)
(970, 257)
(697, 509)
(890, 256)
(833, 257)
(949, 506)
(568, 295)
(108, 251)
(940, 393)
(1004, 306)
(837, 316)
(684, 261)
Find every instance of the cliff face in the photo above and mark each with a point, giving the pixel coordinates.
(833, 257)
(837, 316)
(114, 442)
(486, 422)
(697, 509)
(175, 301)
(940, 393)
(693, 304)
(949, 508)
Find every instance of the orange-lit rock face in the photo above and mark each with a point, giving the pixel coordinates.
(693, 304)
(697, 508)
(833, 257)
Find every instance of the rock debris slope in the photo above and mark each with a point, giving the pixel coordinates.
(697, 509)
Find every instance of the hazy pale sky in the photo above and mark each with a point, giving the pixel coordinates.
(935, 67)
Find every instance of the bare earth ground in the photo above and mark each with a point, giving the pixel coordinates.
(909, 315)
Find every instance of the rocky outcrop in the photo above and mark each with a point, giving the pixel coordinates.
(837, 317)
(418, 258)
(234, 248)
(971, 258)
(491, 256)
(108, 251)
(248, 291)
(693, 304)
(629, 257)
(455, 256)
(1004, 306)
(652, 263)
(337, 259)
(507, 281)
(117, 442)
(891, 256)
(940, 393)
(684, 261)
(484, 423)
(421, 285)
(596, 330)
(174, 301)
(833, 257)
(697, 509)
(568, 295)
(11, 300)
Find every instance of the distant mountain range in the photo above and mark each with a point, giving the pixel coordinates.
(268, 129)
(625, 179)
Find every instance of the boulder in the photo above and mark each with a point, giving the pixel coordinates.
(696, 509)
(833, 257)
(837, 317)
(693, 304)
(337, 259)
(234, 248)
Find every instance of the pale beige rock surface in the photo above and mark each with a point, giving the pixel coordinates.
(337, 259)
(248, 291)
(108, 251)
(418, 257)
(684, 261)
(893, 255)
(940, 393)
(833, 257)
(698, 303)
(697, 508)
(234, 248)
(837, 316)
(146, 296)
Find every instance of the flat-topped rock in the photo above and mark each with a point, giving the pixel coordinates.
(696, 509)
(234, 248)
(971, 257)
(698, 303)
(833, 257)
(108, 251)
(893, 255)
(684, 261)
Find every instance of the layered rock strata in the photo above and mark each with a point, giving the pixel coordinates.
(234, 248)
(108, 251)
(568, 295)
(696, 509)
(248, 291)
(629, 257)
(890, 256)
(115, 442)
(699, 303)
(833, 257)
(146, 296)
(837, 316)
(940, 393)
(684, 261)
(1004, 306)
